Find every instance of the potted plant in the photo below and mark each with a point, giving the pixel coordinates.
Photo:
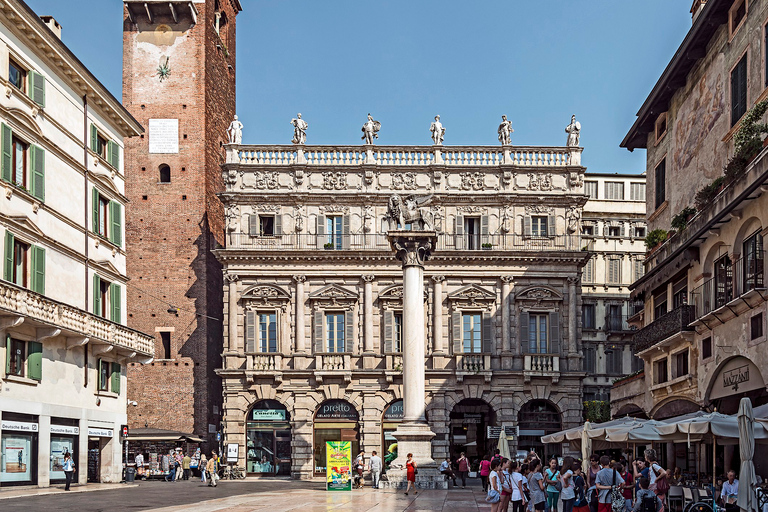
(680, 221)
(328, 246)
(655, 238)
(487, 246)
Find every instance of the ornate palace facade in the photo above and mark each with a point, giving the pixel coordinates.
(313, 298)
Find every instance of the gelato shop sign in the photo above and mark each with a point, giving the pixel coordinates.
(336, 410)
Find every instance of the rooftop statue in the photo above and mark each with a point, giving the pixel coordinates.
(505, 131)
(299, 130)
(438, 132)
(370, 130)
(574, 132)
(412, 209)
(235, 132)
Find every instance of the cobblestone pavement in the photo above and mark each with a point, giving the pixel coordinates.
(250, 495)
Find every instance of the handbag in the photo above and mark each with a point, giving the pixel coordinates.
(617, 498)
(558, 485)
(662, 486)
(493, 496)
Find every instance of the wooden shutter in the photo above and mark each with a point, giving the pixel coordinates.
(456, 321)
(7, 354)
(115, 299)
(527, 225)
(96, 295)
(99, 383)
(278, 224)
(554, 333)
(95, 209)
(487, 333)
(484, 226)
(253, 225)
(116, 223)
(113, 154)
(551, 226)
(35, 360)
(6, 163)
(115, 384)
(38, 270)
(37, 88)
(623, 228)
(318, 332)
(459, 232)
(345, 232)
(349, 332)
(321, 240)
(525, 337)
(8, 267)
(250, 332)
(389, 332)
(94, 137)
(37, 167)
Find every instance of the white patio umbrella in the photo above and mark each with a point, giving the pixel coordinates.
(503, 445)
(586, 447)
(746, 419)
(640, 432)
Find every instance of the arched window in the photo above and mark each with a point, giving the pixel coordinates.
(165, 174)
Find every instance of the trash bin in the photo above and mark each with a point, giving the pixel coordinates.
(130, 474)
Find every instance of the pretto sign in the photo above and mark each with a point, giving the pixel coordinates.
(336, 410)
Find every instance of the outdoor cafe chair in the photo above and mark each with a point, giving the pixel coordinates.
(675, 498)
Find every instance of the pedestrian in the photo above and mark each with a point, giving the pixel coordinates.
(211, 469)
(375, 464)
(626, 489)
(463, 464)
(139, 460)
(178, 459)
(655, 474)
(580, 487)
(202, 465)
(730, 492)
(494, 487)
(536, 486)
(358, 466)
(185, 462)
(410, 473)
(552, 478)
(568, 493)
(171, 476)
(485, 470)
(497, 455)
(69, 469)
(506, 483)
(447, 470)
(646, 500)
(518, 498)
(594, 467)
(607, 478)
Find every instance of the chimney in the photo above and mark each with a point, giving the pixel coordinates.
(698, 6)
(52, 24)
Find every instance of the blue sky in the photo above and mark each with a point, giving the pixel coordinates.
(407, 60)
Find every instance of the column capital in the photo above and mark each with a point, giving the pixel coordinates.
(368, 278)
(413, 248)
(573, 281)
(300, 278)
(438, 279)
(507, 279)
(231, 278)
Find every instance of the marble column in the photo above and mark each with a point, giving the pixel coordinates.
(300, 346)
(368, 315)
(437, 316)
(231, 280)
(506, 285)
(572, 320)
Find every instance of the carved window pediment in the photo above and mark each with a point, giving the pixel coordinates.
(333, 295)
(392, 297)
(266, 296)
(472, 296)
(537, 296)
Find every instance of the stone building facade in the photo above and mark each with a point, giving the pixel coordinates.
(614, 229)
(703, 323)
(65, 345)
(313, 298)
(179, 82)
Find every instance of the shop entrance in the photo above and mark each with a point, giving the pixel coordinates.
(268, 439)
(94, 460)
(393, 416)
(469, 421)
(335, 420)
(537, 418)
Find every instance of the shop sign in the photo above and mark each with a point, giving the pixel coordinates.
(336, 410)
(99, 432)
(495, 432)
(232, 449)
(394, 412)
(18, 425)
(268, 415)
(338, 465)
(739, 375)
(63, 429)
(471, 418)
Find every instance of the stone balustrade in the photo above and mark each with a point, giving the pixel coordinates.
(395, 362)
(473, 362)
(15, 300)
(333, 362)
(541, 364)
(266, 362)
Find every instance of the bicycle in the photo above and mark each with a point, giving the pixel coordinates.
(236, 473)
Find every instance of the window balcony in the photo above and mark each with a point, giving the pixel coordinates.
(668, 325)
(617, 324)
(541, 365)
(78, 326)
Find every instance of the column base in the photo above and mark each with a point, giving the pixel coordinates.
(429, 477)
(415, 438)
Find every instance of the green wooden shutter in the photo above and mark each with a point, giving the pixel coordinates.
(318, 332)
(6, 162)
(113, 154)
(7, 354)
(94, 138)
(98, 368)
(525, 336)
(37, 185)
(8, 267)
(456, 327)
(554, 333)
(115, 384)
(38, 270)
(95, 209)
(487, 333)
(116, 220)
(37, 88)
(349, 332)
(96, 295)
(250, 332)
(389, 332)
(35, 360)
(115, 299)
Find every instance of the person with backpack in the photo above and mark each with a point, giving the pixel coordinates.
(626, 489)
(485, 470)
(518, 498)
(536, 486)
(657, 476)
(568, 490)
(579, 486)
(608, 483)
(554, 486)
(646, 500)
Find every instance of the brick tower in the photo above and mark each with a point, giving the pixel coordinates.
(179, 82)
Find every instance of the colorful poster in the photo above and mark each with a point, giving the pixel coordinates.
(338, 469)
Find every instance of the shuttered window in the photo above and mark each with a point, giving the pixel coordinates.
(539, 226)
(538, 336)
(24, 264)
(37, 88)
(106, 218)
(739, 90)
(334, 323)
(590, 360)
(590, 188)
(639, 269)
(614, 270)
(115, 379)
(589, 271)
(107, 149)
(267, 332)
(660, 178)
(588, 316)
(613, 361)
(614, 190)
(472, 333)
(115, 303)
(397, 332)
(637, 191)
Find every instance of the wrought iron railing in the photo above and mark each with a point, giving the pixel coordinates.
(744, 275)
(663, 327)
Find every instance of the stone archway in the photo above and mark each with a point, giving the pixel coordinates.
(535, 419)
(467, 428)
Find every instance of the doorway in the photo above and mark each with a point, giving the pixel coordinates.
(469, 421)
(94, 460)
